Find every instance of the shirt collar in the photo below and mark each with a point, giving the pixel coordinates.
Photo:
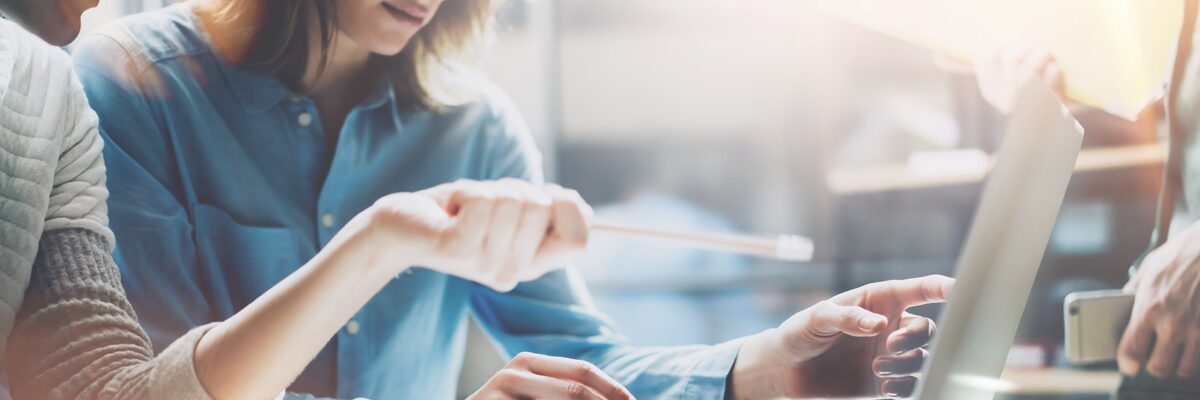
(384, 92)
(259, 93)
(256, 92)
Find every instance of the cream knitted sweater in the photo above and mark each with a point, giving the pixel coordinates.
(51, 173)
(70, 331)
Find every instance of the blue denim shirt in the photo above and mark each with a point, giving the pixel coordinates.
(223, 183)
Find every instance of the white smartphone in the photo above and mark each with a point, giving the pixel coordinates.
(1095, 321)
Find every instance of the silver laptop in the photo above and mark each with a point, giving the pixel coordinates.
(998, 264)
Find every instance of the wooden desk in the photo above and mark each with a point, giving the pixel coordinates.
(890, 177)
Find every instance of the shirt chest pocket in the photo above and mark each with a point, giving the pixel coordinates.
(239, 262)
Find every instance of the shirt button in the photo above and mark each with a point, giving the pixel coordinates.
(353, 327)
(304, 119)
(327, 220)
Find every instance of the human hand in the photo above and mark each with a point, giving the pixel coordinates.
(858, 343)
(496, 233)
(1001, 74)
(1163, 335)
(535, 376)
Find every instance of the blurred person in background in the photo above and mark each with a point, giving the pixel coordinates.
(71, 333)
(243, 136)
(1159, 353)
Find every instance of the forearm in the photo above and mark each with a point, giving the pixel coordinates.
(76, 336)
(757, 372)
(259, 351)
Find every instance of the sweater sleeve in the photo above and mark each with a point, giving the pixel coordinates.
(77, 337)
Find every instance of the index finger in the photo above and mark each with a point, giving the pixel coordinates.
(1135, 344)
(913, 333)
(528, 385)
(449, 195)
(569, 225)
(577, 371)
(924, 290)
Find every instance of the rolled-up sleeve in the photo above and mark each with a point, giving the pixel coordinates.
(554, 315)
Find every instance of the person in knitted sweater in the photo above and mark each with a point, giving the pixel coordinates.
(70, 330)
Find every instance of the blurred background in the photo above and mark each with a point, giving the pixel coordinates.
(770, 117)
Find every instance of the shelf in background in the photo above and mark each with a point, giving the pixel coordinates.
(898, 176)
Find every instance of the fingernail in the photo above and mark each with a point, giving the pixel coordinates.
(883, 373)
(870, 322)
(891, 395)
